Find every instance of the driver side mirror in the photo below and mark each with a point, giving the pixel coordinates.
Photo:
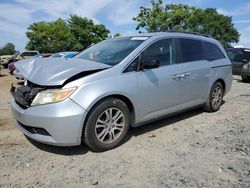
(149, 62)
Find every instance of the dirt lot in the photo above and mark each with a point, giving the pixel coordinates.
(193, 149)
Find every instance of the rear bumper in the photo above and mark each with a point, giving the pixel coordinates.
(55, 124)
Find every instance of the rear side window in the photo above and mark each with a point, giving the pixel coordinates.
(212, 51)
(191, 50)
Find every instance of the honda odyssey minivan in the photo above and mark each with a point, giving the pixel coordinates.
(117, 84)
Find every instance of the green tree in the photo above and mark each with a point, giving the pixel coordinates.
(85, 33)
(8, 49)
(74, 34)
(117, 35)
(49, 36)
(162, 17)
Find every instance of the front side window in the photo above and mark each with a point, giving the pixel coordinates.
(191, 50)
(112, 51)
(133, 66)
(162, 50)
(212, 51)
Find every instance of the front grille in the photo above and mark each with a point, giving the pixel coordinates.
(24, 95)
(22, 106)
(35, 130)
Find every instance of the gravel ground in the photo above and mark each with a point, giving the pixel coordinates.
(192, 149)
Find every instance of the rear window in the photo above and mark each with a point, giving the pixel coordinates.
(29, 53)
(212, 51)
(191, 50)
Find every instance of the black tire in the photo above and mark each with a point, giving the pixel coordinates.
(210, 106)
(90, 136)
(5, 66)
(245, 79)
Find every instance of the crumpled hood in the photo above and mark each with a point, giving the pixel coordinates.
(55, 71)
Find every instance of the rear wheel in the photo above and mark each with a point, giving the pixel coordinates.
(245, 79)
(215, 98)
(107, 124)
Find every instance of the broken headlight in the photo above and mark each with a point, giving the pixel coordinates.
(52, 95)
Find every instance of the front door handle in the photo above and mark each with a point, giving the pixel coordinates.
(180, 76)
(187, 74)
(175, 77)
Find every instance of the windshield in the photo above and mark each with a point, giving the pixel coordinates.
(16, 54)
(112, 51)
(238, 55)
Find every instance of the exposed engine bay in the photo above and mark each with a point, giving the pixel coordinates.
(24, 95)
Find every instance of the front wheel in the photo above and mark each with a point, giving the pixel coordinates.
(215, 98)
(106, 125)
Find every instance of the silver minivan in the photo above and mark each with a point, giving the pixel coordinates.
(127, 81)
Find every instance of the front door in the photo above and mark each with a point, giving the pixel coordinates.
(158, 88)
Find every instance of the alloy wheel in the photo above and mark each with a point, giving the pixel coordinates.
(216, 97)
(109, 125)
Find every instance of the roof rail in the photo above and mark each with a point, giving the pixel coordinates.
(187, 32)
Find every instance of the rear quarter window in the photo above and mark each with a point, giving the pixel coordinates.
(191, 50)
(212, 51)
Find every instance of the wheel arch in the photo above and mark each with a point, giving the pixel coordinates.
(123, 98)
(222, 82)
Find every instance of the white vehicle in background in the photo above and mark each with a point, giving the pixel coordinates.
(4, 57)
(17, 74)
(27, 55)
(24, 55)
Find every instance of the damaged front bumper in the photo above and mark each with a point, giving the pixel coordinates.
(55, 124)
